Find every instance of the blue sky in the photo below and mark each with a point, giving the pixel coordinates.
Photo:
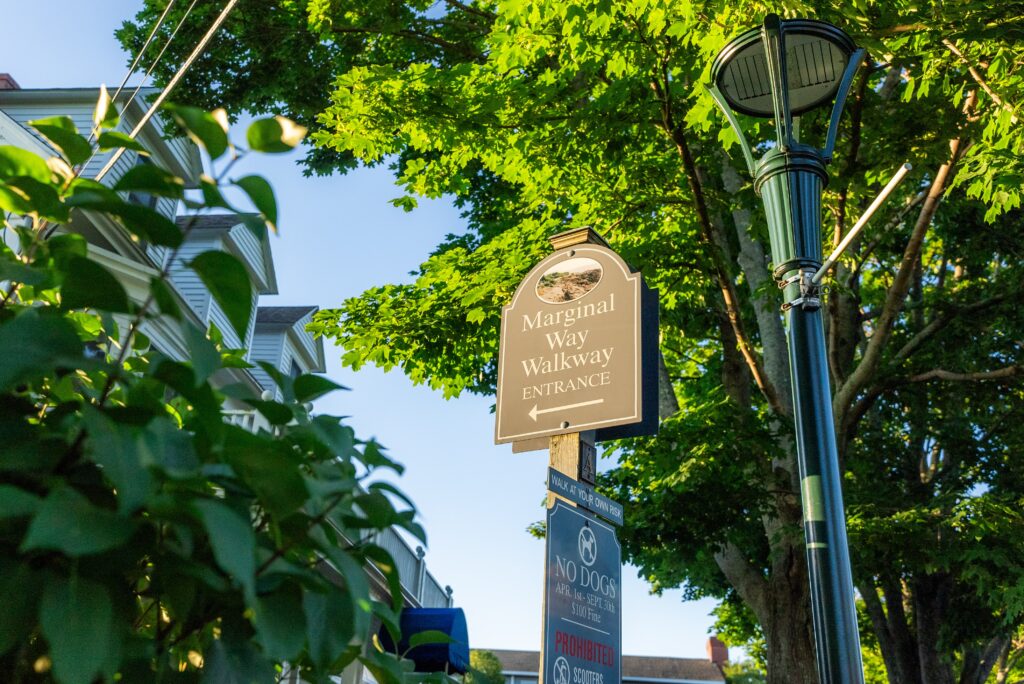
(339, 236)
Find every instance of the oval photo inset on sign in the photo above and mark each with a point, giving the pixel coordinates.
(569, 280)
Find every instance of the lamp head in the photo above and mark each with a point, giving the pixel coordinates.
(816, 57)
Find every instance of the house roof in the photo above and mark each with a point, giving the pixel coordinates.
(211, 221)
(633, 667)
(258, 259)
(282, 315)
(177, 154)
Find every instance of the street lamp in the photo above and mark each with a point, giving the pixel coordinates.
(780, 71)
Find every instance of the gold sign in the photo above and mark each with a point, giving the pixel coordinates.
(570, 354)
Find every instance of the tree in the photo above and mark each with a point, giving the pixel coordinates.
(539, 115)
(485, 668)
(743, 672)
(143, 537)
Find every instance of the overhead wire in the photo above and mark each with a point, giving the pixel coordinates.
(156, 61)
(193, 56)
(170, 85)
(146, 76)
(142, 50)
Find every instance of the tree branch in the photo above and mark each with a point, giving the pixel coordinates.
(940, 322)
(900, 287)
(668, 404)
(979, 80)
(469, 9)
(710, 237)
(749, 583)
(1006, 373)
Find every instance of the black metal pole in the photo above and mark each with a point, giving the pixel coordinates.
(790, 182)
(752, 74)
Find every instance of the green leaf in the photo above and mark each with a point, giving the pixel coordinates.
(164, 298)
(165, 446)
(15, 502)
(274, 135)
(15, 162)
(309, 387)
(232, 540)
(202, 127)
(87, 285)
(151, 179)
(19, 594)
(429, 636)
(269, 469)
(384, 666)
(388, 487)
(115, 447)
(383, 561)
(262, 196)
(275, 412)
(105, 114)
(54, 343)
(14, 201)
(356, 583)
(281, 622)
(237, 662)
(202, 353)
(40, 198)
(62, 132)
(22, 273)
(329, 624)
(110, 140)
(228, 282)
(143, 222)
(68, 523)
(337, 437)
(284, 382)
(77, 619)
(390, 619)
(377, 508)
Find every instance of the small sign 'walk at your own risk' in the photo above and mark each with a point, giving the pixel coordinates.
(585, 496)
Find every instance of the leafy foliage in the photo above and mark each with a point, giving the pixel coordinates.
(143, 536)
(485, 668)
(538, 115)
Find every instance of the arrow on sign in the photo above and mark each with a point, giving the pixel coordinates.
(534, 412)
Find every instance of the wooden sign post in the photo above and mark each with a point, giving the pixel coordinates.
(577, 364)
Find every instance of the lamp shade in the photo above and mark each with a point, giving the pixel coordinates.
(816, 56)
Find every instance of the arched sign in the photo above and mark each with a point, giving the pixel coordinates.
(570, 357)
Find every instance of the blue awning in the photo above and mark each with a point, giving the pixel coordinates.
(450, 657)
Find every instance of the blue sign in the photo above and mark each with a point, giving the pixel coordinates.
(585, 496)
(583, 599)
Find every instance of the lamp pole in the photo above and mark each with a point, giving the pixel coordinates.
(778, 71)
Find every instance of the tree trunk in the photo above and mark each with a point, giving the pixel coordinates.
(931, 598)
(789, 632)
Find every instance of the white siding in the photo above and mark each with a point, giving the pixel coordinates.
(156, 255)
(306, 340)
(187, 282)
(23, 113)
(167, 207)
(266, 346)
(217, 316)
(254, 303)
(181, 151)
(251, 251)
(81, 114)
